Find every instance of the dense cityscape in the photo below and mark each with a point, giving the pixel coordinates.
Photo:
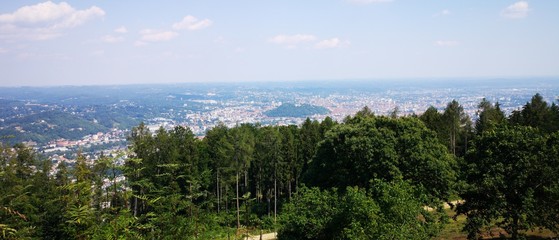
(203, 108)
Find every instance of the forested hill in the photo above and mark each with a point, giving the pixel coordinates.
(298, 111)
(29, 121)
(368, 177)
(45, 126)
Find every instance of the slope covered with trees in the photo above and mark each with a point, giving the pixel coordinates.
(369, 177)
(45, 126)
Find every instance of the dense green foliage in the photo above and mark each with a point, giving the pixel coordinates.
(511, 176)
(366, 148)
(389, 210)
(453, 126)
(508, 170)
(538, 114)
(370, 177)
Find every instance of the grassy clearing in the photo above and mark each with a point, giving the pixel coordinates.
(453, 230)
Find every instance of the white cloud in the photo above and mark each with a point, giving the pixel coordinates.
(112, 39)
(121, 29)
(445, 12)
(192, 23)
(368, 1)
(2, 50)
(44, 20)
(331, 43)
(292, 39)
(79, 17)
(516, 10)
(149, 35)
(42, 12)
(446, 43)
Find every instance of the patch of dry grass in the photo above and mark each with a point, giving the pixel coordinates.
(453, 230)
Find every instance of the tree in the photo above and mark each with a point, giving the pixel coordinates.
(433, 120)
(299, 221)
(309, 136)
(403, 215)
(431, 117)
(457, 127)
(219, 150)
(382, 148)
(511, 172)
(79, 213)
(136, 170)
(270, 162)
(453, 126)
(326, 125)
(289, 150)
(390, 210)
(553, 124)
(489, 116)
(538, 114)
(17, 192)
(243, 147)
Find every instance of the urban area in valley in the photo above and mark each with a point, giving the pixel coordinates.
(60, 121)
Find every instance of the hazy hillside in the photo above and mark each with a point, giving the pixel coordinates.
(45, 126)
(292, 110)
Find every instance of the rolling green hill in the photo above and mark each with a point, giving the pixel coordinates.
(45, 126)
(300, 111)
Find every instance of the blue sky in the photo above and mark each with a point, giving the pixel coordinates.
(121, 42)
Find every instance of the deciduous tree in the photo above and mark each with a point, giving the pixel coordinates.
(511, 174)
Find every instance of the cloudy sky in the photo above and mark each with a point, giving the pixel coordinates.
(121, 42)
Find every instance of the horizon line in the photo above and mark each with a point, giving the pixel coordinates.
(332, 80)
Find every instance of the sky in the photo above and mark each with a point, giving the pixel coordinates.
(87, 42)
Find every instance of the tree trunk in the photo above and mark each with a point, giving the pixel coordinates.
(238, 211)
(465, 143)
(246, 215)
(246, 182)
(514, 234)
(289, 188)
(275, 186)
(296, 182)
(135, 205)
(259, 185)
(217, 188)
(191, 196)
(196, 227)
(275, 199)
(226, 200)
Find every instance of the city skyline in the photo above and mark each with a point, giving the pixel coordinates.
(44, 43)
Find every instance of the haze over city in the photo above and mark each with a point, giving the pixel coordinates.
(127, 42)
